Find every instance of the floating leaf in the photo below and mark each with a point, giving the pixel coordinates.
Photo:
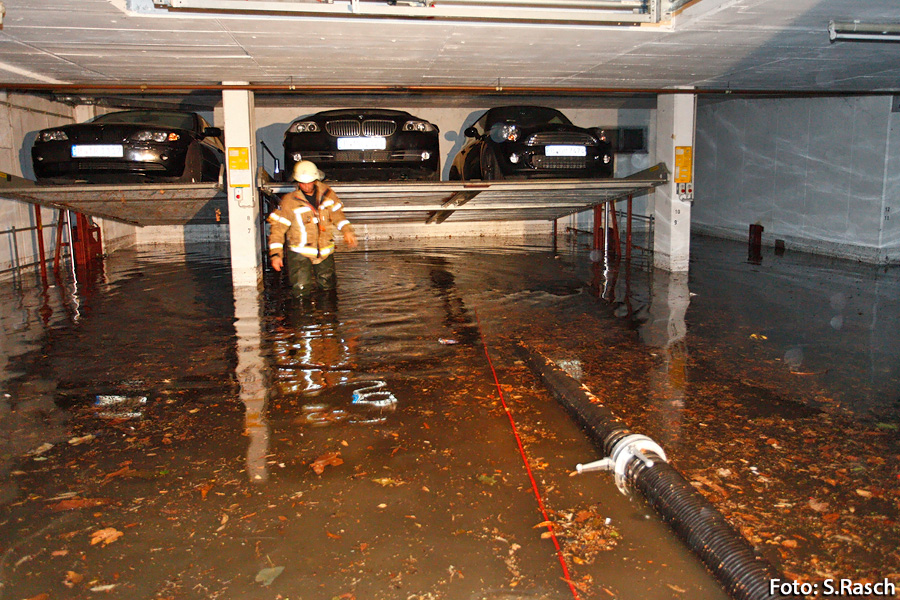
(40, 449)
(487, 479)
(268, 575)
(105, 536)
(75, 503)
(329, 458)
(386, 481)
(72, 579)
(75, 441)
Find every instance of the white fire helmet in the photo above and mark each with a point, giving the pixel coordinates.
(306, 172)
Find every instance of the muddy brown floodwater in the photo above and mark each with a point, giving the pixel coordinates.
(167, 436)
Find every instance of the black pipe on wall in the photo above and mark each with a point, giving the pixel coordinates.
(743, 573)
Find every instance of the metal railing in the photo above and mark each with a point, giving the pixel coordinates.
(40, 259)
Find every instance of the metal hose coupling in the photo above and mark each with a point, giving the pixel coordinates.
(633, 447)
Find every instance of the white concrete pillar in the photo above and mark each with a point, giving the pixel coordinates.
(675, 123)
(243, 197)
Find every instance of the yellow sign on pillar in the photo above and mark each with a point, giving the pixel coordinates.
(239, 167)
(684, 164)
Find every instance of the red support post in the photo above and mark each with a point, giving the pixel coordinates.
(86, 242)
(61, 219)
(40, 239)
(614, 230)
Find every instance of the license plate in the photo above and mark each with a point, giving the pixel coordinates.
(98, 150)
(565, 151)
(361, 143)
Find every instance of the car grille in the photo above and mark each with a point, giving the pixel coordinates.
(559, 162)
(350, 128)
(379, 127)
(560, 137)
(342, 128)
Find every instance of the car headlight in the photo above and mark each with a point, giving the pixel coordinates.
(504, 132)
(155, 136)
(55, 135)
(418, 126)
(304, 127)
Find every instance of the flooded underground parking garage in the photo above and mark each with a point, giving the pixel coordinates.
(167, 436)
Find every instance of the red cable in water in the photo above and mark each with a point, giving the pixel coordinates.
(534, 485)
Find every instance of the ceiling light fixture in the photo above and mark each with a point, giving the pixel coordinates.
(855, 31)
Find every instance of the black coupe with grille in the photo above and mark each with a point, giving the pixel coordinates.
(131, 146)
(522, 142)
(365, 144)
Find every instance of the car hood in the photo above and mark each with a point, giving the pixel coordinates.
(366, 113)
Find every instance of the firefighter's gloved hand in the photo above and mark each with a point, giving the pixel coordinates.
(276, 263)
(350, 239)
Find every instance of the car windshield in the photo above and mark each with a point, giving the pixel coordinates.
(156, 118)
(527, 116)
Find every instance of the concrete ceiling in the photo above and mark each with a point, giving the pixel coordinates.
(776, 45)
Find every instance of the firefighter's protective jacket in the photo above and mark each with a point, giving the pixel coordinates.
(304, 228)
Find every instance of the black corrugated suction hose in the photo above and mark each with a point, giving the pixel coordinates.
(743, 573)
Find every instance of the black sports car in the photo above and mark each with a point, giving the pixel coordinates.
(530, 142)
(365, 144)
(128, 147)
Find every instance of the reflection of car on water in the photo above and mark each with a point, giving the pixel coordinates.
(130, 146)
(365, 144)
(530, 142)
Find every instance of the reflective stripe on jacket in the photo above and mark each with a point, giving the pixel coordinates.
(299, 226)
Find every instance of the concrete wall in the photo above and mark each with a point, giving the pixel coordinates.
(819, 173)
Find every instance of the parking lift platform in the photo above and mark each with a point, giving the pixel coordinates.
(366, 203)
(134, 204)
(461, 201)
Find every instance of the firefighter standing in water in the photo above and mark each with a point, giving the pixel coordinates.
(301, 234)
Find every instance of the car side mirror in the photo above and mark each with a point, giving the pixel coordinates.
(212, 132)
(470, 132)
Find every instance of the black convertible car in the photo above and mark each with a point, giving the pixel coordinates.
(530, 142)
(365, 144)
(131, 146)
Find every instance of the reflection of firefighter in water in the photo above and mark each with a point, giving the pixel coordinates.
(312, 351)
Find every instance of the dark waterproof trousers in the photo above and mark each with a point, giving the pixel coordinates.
(304, 276)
